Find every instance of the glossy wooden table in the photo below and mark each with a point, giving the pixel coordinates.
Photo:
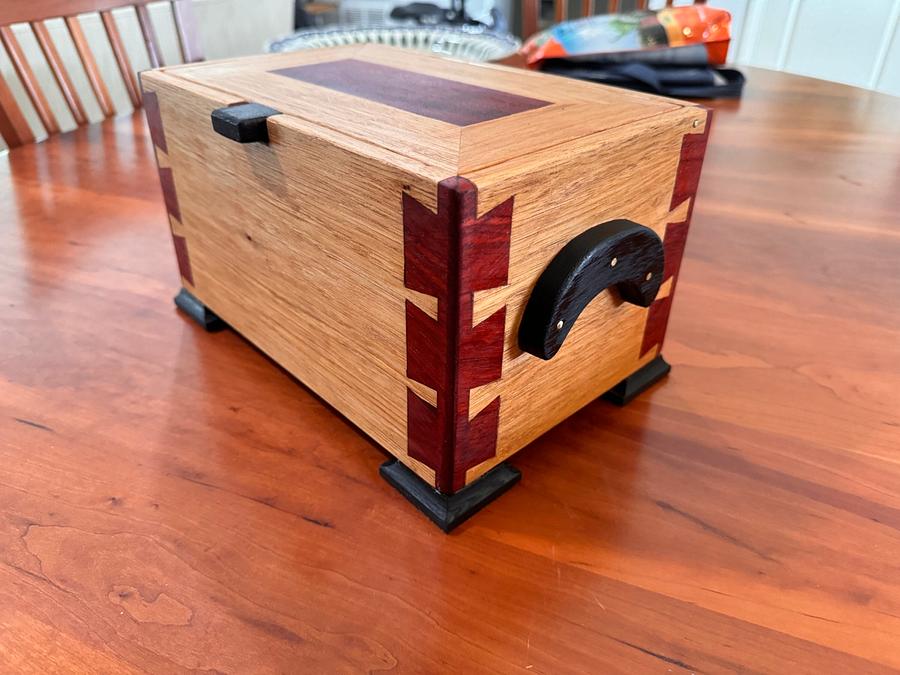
(171, 500)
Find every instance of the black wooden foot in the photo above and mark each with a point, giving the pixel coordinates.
(637, 382)
(448, 511)
(199, 312)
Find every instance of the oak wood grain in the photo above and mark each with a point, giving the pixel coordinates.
(581, 184)
(315, 283)
(171, 500)
(582, 108)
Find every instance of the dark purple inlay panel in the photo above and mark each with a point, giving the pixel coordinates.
(426, 95)
(184, 260)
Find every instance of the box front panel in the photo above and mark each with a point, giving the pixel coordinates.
(298, 245)
(645, 172)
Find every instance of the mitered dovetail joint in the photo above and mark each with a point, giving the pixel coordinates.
(167, 182)
(687, 179)
(450, 255)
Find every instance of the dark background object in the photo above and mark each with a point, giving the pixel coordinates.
(244, 123)
(680, 81)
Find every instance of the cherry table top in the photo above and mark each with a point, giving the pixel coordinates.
(172, 500)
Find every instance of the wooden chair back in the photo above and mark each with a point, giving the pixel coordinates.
(13, 126)
(531, 11)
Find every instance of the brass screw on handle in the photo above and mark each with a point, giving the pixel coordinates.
(649, 276)
(559, 324)
(612, 263)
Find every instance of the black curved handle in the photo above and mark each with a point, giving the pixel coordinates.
(618, 253)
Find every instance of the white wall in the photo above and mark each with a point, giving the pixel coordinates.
(851, 41)
(854, 42)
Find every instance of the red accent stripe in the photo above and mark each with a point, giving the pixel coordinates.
(674, 242)
(687, 179)
(184, 261)
(657, 320)
(154, 119)
(425, 425)
(167, 181)
(450, 255)
(435, 97)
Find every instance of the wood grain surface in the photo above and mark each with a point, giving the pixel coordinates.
(171, 501)
(580, 108)
(425, 95)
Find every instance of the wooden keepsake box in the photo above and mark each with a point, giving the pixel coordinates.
(456, 257)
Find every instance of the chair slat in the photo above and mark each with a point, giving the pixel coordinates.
(531, 10)
(612, 6)
(641, 4)
(28, 11)
(188, 32)
(26, 75)
(14, 127)
(147, 30)
(90, 67)
(560, 10)
(59, 72)
(118, 47)
(587, 8)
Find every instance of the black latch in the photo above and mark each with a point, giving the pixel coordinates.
(244, 123)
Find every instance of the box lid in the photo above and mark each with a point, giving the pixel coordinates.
(449, 114)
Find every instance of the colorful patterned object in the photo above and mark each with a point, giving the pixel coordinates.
(638, 31)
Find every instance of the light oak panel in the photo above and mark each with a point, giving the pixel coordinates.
(560, 193)
(299, 246)
(423, 139)
(580, 108)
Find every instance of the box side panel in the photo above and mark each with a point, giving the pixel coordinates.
(150, 92)
(646, 172)
(438, 110)
(298, 245)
